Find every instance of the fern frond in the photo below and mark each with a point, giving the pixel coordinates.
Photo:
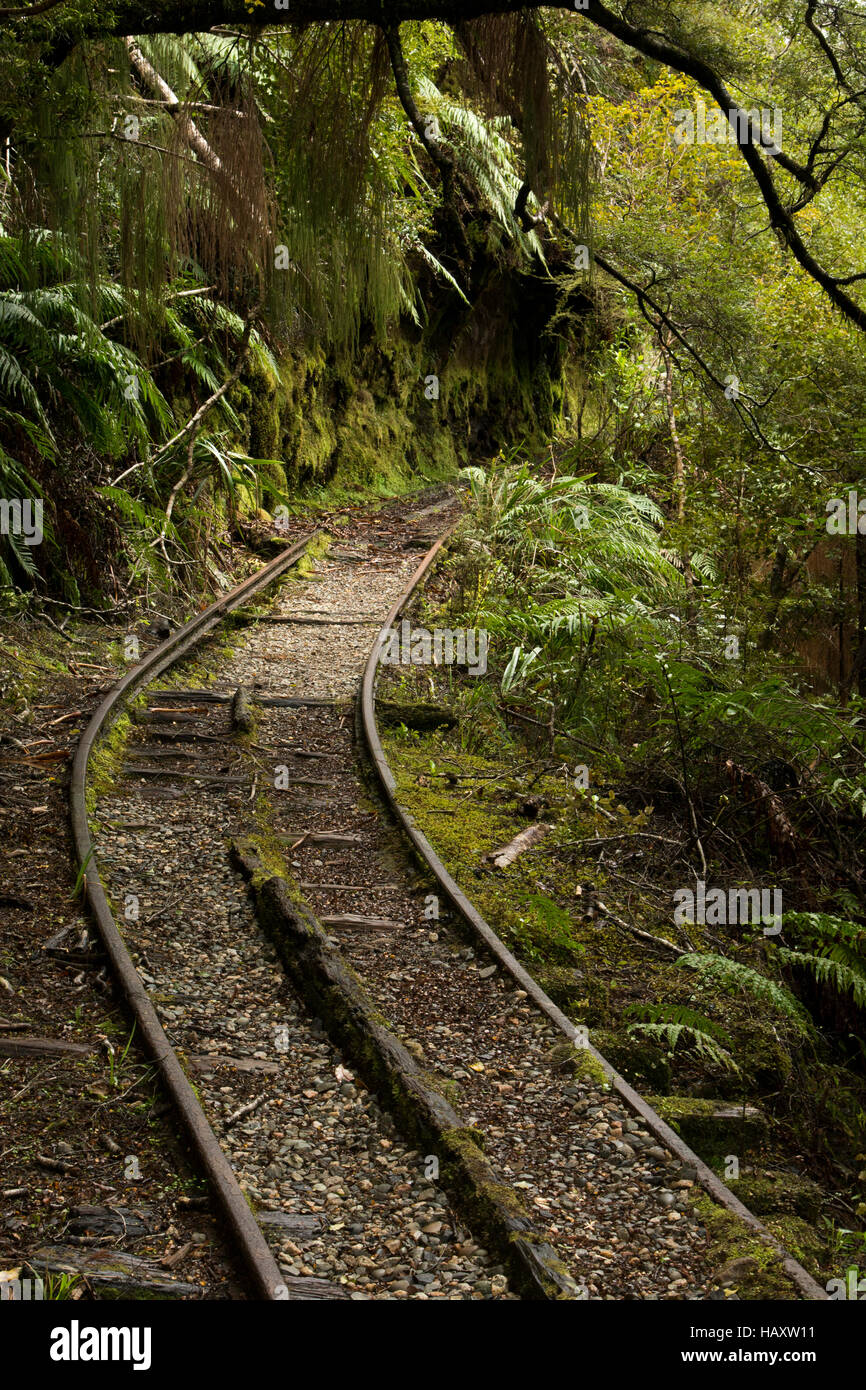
(835, 966)
(735, 977)
(694, 1038)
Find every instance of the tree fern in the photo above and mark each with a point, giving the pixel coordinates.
(486, 155)
(438, 267)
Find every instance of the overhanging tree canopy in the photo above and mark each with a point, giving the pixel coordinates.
(680, 36)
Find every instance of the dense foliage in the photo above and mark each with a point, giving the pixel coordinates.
(275, 252)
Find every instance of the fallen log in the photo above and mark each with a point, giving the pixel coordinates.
(501, 858)
(417, 716)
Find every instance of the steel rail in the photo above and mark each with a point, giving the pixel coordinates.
(261, 1266)
(712, 1184)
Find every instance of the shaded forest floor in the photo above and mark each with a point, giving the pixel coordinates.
(568, 907)
(588, 908)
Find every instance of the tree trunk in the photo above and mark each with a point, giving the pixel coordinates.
(679, 481)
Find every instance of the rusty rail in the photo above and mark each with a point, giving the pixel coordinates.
(261, 1266)
(712, 1184)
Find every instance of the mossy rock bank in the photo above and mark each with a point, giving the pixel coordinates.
(775, 1192)
(713, 1128)
(643, 1064)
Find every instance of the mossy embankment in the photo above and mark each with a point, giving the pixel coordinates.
(565, 908)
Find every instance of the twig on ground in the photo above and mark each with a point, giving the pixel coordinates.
(636, 931)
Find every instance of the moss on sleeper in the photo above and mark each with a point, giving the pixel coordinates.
(699, 1122)
(106, 759)
(445, 1085)
(488, 1196)
(588, 1068)
(731, 1239)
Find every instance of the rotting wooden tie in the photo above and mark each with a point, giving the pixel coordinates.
(202, 1061)
(298, 1225)
(353, 921)
(187, 736)
(127, 1274)
(300, 1287)
(299, 702)
(302, 620)
(94, 959)
(210, 697)
(144, 750)
(181, 709)
(336, 839)
(164, 717)
(133, 770)
(353, 887)
(309, 782)
(42, 1047)
(88, 1222)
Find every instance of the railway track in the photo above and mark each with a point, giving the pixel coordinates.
(384, 1103)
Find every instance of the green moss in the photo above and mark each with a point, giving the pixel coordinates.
(274, 483)
(26, 664)
(589, 1068)
(731, 1239)
(562, 983)
(445, 1085)
(775, 1192)
(362, 424)
(264, 418)
(106, 760)
(642, 1063)
(316, 550)
(479, 811)
(488, 1196)
(806, 1245)
(711, 1127)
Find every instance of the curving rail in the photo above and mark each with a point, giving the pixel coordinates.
(264, 1273)
(712, 1184)
(263, 1270)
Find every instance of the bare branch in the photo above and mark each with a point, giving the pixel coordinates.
(28, 10)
